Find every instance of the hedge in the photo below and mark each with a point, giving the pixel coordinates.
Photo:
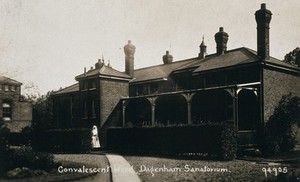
(62, 140)
(214, 139)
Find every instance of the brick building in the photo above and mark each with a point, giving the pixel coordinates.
(241, 86)
(15, 113)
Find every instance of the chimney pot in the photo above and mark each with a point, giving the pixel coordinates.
(129, 51)
(221, 39)
(167, 58)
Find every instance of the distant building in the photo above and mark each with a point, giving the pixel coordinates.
(241, 86)
(15, 113)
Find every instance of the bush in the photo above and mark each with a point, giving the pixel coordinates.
(26, 157)
(279, 134)
(268, 144)
(229, 143)
(62, 140)
(211, 139)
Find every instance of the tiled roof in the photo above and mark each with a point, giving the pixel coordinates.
(6, 80)
(230, 58)
(277, 61)
(158, 71)
(233, 57)
(104, 70)
(72, 88)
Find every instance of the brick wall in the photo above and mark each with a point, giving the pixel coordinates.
(111, 91)
(21, 111)
(277, 84)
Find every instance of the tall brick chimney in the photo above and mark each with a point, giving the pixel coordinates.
(221, 39)
(129, 51)
(263, 19)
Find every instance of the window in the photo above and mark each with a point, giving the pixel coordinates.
(6, 111)
(215, 79)
(0, 87)
(13, 88)
(153, 88)
(85, 111)
(198, 82)
(85, 85)
(139, 90)
(93, 109)
(93, 83)
(6, 88)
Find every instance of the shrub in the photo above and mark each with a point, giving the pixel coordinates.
(26, 157)
(213, 139)
(279, 134)
(62, 140)
(268, 145)
(229, 143)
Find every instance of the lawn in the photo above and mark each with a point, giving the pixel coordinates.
(72, 161)
(170, 169)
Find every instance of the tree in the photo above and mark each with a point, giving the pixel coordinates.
(280, 132)
(42, 111)
(293, 57)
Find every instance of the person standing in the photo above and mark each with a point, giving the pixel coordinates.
(95, 138)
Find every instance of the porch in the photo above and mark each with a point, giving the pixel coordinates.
(239, 105)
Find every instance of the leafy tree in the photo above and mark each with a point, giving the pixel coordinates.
(293, 57)
(42, 111)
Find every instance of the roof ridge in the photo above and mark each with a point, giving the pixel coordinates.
(10, 79)
(179, 61)
(56, 92)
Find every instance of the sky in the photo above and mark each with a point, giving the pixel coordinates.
(45, 44)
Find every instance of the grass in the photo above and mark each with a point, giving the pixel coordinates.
(237, 170)
(71, 161)
(53, 175)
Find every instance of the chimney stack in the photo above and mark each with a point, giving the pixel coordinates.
(203, 52)
(99, 64)
(221, 39)
(263, 19)
(167, 58)
(129, 51)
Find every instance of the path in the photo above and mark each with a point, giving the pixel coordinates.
(121, 170)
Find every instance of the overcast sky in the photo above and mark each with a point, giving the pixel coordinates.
(46, 43)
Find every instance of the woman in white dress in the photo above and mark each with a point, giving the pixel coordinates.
(95, 138)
